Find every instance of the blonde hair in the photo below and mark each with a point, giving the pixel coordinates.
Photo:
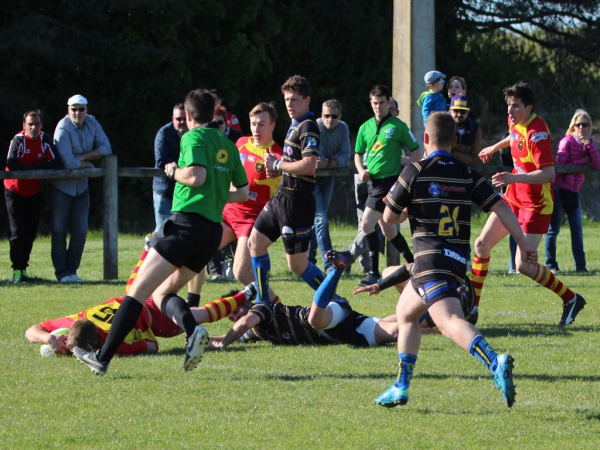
(578, 113)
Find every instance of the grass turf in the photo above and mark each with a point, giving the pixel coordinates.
(263, 396)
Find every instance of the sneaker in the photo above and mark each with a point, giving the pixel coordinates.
(370, 279)
(76, 279)
(472, 317)
(26, 277)
(555, 271)
(66, 279)
(196, 344)
(90, 359)
(503, 378)
(149, 237)
(251, 290)
(17, 276)
(393, 396)
(571, 309)
(340, 260)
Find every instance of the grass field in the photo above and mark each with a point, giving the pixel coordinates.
(262, 396)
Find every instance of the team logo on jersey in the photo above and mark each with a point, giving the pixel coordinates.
(288, 150)
(311, 142)
(259, 166)
(389, 133)
(251, 158)
(537, 137)
(253, 196)
(234, 120)
(521, 144)
(243, 157)
(376, 146)
(287, 233)
(222, 156)
(434, 190)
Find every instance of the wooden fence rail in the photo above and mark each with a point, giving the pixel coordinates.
(111, 173)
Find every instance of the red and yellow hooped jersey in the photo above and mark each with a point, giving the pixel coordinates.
(531, 150)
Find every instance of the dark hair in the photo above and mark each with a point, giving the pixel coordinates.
(216, 92)
(201, 105)
(83, 334)
(441, 129)
(461, 80)
(220, 111)
(521, 91)
(380, 90)
(298, 85)
(32, 112)
(264, 107)
(333, 103)
(178, 106)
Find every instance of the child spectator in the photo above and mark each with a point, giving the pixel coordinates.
(433, 100)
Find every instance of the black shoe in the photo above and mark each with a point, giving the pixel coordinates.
(90, 359)
(340, 260)
(571, 309)
(348, 268)
(370, 279)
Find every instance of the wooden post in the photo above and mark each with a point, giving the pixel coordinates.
(111, 219)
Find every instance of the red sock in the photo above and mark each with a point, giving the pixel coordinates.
(217, 309)
(479, 273)
(547, 279)
(137, 267)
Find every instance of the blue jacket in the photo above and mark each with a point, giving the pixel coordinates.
(166, 150)
(431, 102)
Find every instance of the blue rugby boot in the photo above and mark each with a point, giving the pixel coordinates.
(393, 396)
(503, 378)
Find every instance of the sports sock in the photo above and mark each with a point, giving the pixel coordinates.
(179, 312)
(122, 323)
(402, 246)
(193, 299)
(479, 273)
(136, 268)
(217, 309)
(547, 279)
(313, 276)
(326, 290)
(484, 352)
(373, 246)
(262, 266)
(406, 366)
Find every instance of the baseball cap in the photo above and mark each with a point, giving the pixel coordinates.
(77, 100)
(460, 102)
(433, 75)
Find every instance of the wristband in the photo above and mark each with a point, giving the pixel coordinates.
(276, 165)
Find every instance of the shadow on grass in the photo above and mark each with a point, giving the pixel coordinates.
(533, 329)
(44, 282)
(181, 351)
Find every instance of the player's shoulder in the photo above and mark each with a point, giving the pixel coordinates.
(397, 123)
(309, 124)
(241, 142)
(537, 129)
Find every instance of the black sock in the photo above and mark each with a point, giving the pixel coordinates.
(373, 246)
(193, 299)
(402, 246)
(122, 323)
(178, 310)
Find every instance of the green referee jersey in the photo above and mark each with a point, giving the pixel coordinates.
(206, 147)
(383, 143)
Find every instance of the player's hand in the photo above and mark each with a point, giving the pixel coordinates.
(372, 289)
(486, 154)
(364, 176)
(215, 343)
(529, 254)
(58, 344)
(168, 167)
(502, 179)
(403, 215)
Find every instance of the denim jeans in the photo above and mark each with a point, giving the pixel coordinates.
(162, 209)
(320, 236)
(69, 214)
(575, 223)
(512, 244)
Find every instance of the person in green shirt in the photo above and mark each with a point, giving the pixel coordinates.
(208, 165)
(379, 158)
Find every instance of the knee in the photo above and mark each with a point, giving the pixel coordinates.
(481, 248)
(316, 320)
(298, 266)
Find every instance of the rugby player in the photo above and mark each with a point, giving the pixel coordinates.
(208, 165)
(530, 196)
(437, 193)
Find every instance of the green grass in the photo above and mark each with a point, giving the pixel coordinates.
(262, 396)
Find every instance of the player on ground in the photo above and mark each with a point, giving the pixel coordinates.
(291, 212)
(381, 142)
(437, 194)
(208, 165)
(529, 195)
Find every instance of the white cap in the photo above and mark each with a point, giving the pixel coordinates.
(77, 100)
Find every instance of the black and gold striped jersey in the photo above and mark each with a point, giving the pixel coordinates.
(303, 139)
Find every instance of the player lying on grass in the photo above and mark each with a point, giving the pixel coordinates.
(89, 328)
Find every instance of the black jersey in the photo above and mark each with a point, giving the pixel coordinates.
(302, 140)
(438, 192)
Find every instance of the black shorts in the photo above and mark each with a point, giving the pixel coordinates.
(378, 189)
(291, 215)
(345, 331)
(188, 239)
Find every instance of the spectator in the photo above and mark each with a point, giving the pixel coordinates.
(221, 120)
(30, 149)
(166, 150)
(334, 152)
(456, 86)
(468, 133)
(79, 138)
(432, 100)
(394, 107)
(232, 120)
(575, 148)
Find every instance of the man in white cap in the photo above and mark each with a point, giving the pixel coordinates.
(79, 138)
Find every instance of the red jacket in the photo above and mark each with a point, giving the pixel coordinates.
(572, 151)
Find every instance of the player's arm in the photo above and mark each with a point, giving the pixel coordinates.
(193, 176)
(540, 176)
(238, 329)
(362, 173)
(37, 334)
(486, 154)
(238, 194)
(306, 166)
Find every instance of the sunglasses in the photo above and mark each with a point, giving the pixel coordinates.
(220, 122)
(82, 109)
(582, 124)
(333, 116)
(441, 81)
(180, 119)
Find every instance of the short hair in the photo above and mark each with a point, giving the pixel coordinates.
(178, 106)
(461, 80)
(430, 85)
(216, 92)
(201, 105)
(395, 102)
(83, 334)
(220, 111)
(441, 129)
(521, 91)
(333, 103)
(298, 85)
(380, 90)
(265, 107)
(32, 112)
(578, 113)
